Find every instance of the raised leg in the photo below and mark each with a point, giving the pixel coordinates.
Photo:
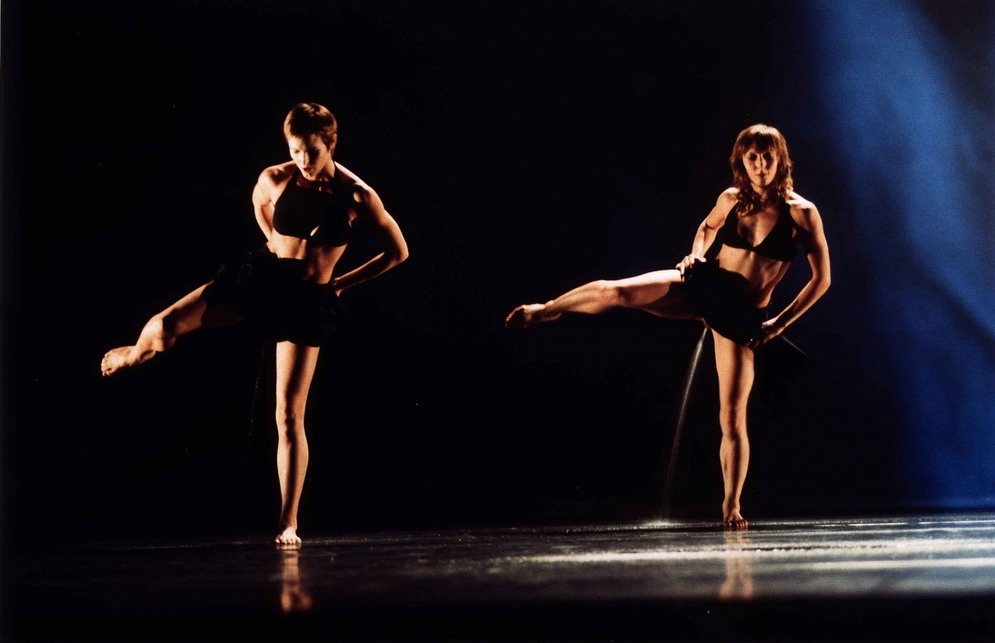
(661, 293)
(734, 364)
(294, 370)
(161, 332)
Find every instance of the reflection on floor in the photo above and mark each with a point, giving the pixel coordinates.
(891, 578)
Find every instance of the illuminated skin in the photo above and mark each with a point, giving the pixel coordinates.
(295, 363)
(664, 293)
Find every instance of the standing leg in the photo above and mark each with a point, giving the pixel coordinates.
(294, 369)
(660, 293)
(160, 333)
(734, 364)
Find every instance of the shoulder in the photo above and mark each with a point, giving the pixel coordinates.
(726, 202)
(723, 206)
(728, 198)
(277, 174)
(361, 192)
(273, 179)
(803, 212)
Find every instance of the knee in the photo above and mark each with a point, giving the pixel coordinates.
(612, 293)
(289, 423)
(733, 424)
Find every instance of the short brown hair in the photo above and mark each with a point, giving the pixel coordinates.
(306, 119)
(762, 137)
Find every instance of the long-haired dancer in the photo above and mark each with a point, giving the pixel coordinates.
(741, 251)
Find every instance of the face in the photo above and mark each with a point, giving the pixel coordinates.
(761, 167)
(310, 154)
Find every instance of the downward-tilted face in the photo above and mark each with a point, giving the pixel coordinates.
(761, 167)
(311, 155)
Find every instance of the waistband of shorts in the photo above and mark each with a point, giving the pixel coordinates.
(291, 266)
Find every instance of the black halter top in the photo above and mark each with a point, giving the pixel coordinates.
(778, 244)
(300, 210)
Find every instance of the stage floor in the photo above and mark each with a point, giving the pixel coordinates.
(921, 578)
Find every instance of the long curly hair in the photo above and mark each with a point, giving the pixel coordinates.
(763, 138)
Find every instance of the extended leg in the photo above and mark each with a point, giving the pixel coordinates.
(294, 369)
(734, 364)
(160, 333)
(660, 293)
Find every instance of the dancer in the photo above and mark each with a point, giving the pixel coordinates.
(306, 208)
(741, 251)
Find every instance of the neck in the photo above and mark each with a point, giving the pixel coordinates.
(767, 195)
(326, 174)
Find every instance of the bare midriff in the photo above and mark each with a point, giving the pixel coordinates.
(762, 273)
(319, 261)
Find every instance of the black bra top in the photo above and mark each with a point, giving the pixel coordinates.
(778, 243)
(300, 210)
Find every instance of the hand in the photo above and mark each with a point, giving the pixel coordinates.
(688, 261)
(771, 329)
(335, 286)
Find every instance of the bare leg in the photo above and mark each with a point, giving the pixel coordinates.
(294, 369)
(160, 333)
(734, 364)
(660, 293)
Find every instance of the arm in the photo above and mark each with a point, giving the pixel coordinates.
(705, 235)
(386, 232)
(262, 202)
(817, 252)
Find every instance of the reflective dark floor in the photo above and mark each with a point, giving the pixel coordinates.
(918, 578)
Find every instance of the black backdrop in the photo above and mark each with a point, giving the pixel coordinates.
(524, 148)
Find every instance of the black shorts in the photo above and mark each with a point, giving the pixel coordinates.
(717, 295)
(272, 294)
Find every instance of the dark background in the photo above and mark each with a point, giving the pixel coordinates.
(524, 149)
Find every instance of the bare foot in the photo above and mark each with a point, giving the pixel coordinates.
(526, 315)
(121, 358)
(734, 520)
(288, 538)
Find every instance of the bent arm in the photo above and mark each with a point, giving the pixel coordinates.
(705, 234)
(262, 203)
(703, 238)
(817, 251)
(386, 232)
